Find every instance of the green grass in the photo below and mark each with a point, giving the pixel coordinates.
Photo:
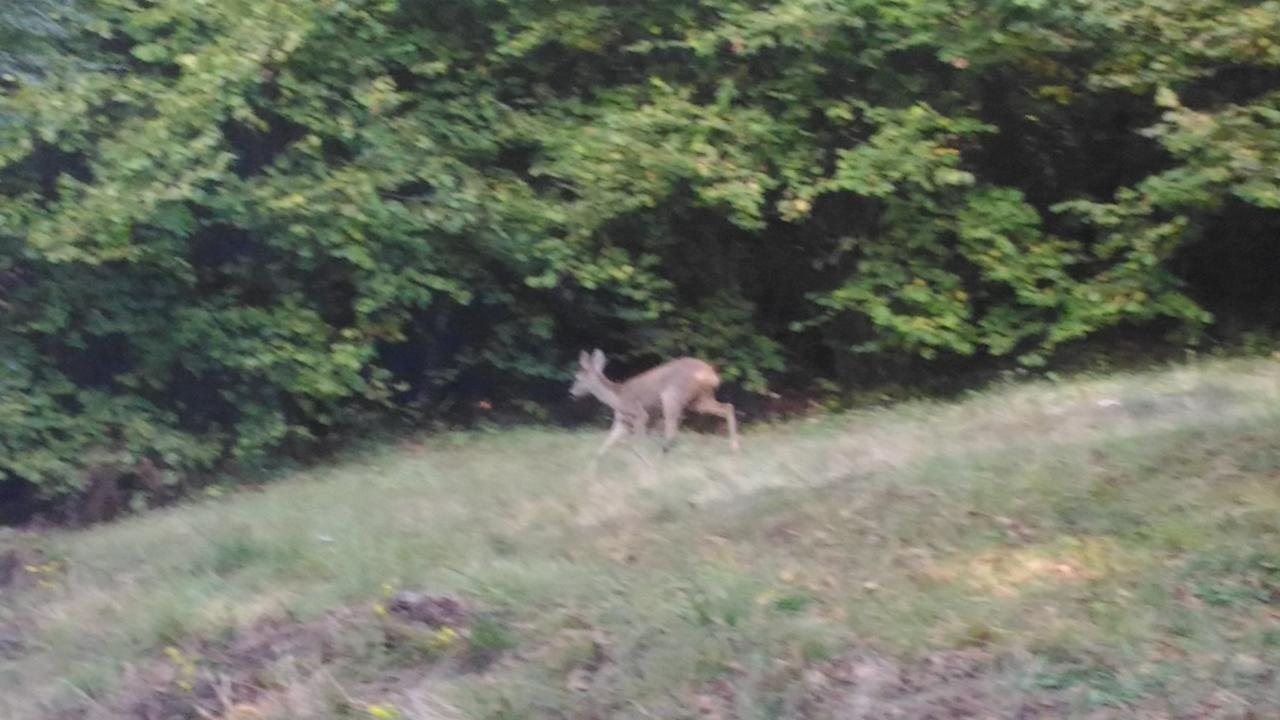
(1125, 558)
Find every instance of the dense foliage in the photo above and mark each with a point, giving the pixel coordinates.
(227, 226)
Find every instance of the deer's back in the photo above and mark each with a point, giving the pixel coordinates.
(687, 375)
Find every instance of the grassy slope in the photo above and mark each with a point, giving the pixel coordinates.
(1115, 541)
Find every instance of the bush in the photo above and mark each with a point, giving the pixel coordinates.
(227, 229)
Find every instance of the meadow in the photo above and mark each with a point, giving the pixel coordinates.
(1099, 547)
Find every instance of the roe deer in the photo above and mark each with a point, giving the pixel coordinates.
(673, 387)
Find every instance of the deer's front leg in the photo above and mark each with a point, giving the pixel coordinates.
(615, 434)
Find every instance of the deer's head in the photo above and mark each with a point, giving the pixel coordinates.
(590, 375)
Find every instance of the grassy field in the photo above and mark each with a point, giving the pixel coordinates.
(1101, 548)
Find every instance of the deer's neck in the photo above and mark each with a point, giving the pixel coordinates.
(607, 392)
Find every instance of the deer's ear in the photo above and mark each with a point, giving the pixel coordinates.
(597, 360)
(584, 360)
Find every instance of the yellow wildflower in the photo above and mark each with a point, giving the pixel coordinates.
(443, 639)
(383, 711)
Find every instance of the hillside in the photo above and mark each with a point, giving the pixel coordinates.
(1098, 548)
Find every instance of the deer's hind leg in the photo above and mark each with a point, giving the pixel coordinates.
(708, 405)
(672, 409)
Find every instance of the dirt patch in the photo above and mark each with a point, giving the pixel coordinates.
(941, 686)
(432, 610)
(863, 685)
(13, 641)
(964, 684)
(21, 569)
(213, 680)
(18, 569)
(252, 674)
